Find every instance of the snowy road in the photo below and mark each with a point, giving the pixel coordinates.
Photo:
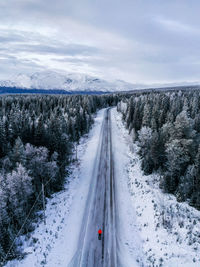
(96, 195)
(100, 211)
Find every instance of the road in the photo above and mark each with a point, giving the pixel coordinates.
(100, 210)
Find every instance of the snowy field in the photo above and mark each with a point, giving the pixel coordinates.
(155, 230)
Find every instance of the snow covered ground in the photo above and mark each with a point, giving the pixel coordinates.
(129, 241)
(170, 230)
(155, 230)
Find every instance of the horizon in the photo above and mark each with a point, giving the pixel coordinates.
(75, 75)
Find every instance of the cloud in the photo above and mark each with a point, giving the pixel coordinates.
(70, 49)
(138, 41)
(178, 26)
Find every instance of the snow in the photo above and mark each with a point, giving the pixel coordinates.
(170, 230)
(129, 241)
(55, 244)
(154, 229)
(66, 81)
(59, 79)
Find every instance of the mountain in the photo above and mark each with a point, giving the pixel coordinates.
(45, 81)
(69, 82)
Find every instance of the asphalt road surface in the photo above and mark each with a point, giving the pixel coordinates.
(100, 211)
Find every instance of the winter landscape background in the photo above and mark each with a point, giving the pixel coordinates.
(99, 129)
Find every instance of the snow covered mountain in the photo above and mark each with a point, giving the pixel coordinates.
(68, 82)
(72, 82)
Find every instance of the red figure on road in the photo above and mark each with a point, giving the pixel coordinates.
(100, 232)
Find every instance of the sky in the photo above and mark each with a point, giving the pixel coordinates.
(139, 41)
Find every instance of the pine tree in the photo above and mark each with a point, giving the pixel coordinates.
(39, 134)
(146, 115)
(20, 189)
(145, 137)
(17, 154)
(2, 139)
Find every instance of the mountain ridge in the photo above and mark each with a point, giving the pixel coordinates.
(69, 82)
(76, 82)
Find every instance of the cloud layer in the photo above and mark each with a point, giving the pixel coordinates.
(137, 41)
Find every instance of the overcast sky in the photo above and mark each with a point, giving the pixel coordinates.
(140, 41)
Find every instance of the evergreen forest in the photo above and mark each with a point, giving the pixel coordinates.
(38, 137)
(166, 127)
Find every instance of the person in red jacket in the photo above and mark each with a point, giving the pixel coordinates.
(100, 232)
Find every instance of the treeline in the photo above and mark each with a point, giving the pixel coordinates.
(37, 137)
(166, 127)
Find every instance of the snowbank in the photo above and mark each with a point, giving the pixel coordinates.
(129, 243)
